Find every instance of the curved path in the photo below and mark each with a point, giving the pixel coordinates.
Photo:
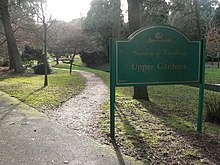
(82, 112)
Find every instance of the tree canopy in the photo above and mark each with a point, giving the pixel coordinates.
(19, 23)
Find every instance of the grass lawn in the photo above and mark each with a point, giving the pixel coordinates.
(212, 75)
(30, 89)
(154, 131)
(101, 71)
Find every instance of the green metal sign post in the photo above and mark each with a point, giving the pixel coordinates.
(154, 56)
(201, 87)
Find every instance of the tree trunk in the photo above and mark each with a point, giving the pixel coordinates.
(45, 46)
(71, 63)
(45, 54)
(11, 63)
(14, 56)
(133, 15)
(57, 59)
(198, 21)
(117, 16)
(140, 92)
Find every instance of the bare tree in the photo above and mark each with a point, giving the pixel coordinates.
(40, 12)
(213, 41)
(68, 38)
(198, 19)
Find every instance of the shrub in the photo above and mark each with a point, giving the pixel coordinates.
(212, 107)
(93, 58)
(31, 54)
(4, 62)
(39, 69)
(1, 61)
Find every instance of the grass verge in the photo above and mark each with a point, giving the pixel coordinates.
(30, 89)
(163, 130)
(212, 75)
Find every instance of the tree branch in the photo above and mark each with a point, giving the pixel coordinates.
(5, 39)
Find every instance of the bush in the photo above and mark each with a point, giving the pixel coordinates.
(31, 54)
(212, 107)
(93, 58)
(39, 69)
(1, 61)
(4, 62)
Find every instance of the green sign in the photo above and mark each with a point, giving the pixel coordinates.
(157, 55)
(153, 56)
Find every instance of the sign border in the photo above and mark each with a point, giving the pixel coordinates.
(154, 83)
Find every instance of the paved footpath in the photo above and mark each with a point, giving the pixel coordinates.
(28, 137)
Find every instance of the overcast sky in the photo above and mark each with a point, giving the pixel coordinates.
(71, 9)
